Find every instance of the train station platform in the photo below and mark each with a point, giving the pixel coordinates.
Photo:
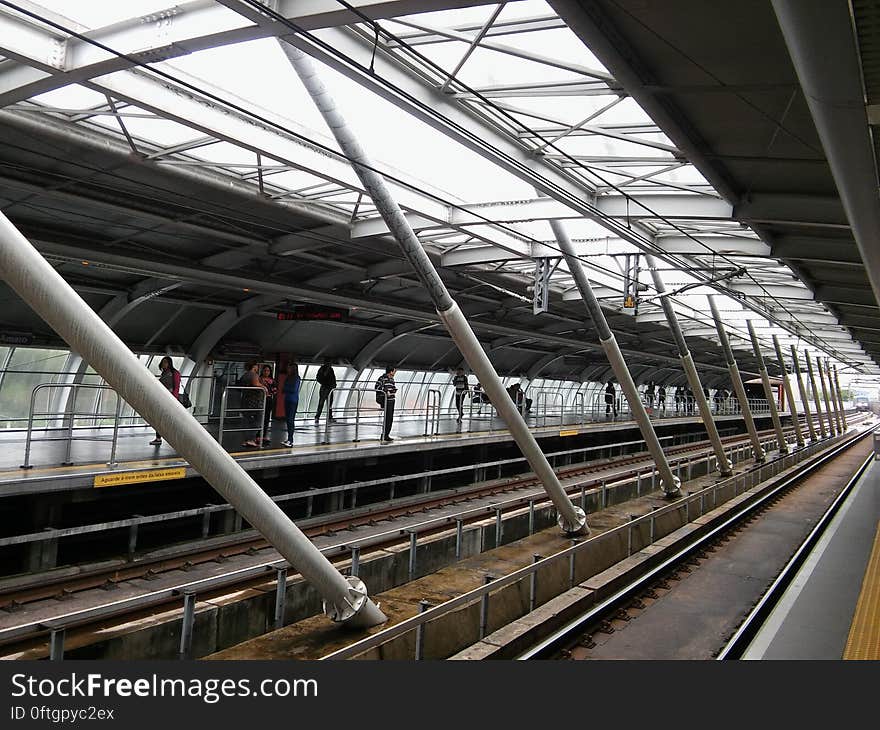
(831, 610)
(137, 461)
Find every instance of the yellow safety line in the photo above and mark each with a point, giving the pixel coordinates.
(864, 633)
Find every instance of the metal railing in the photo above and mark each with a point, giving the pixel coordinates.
(636, 526)
(542, 399)
(432, 412)
(247, 416)
(70, 415)
(354, 404)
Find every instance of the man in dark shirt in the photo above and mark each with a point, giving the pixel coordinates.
(327, 380)
(460, 383)
(388, 389)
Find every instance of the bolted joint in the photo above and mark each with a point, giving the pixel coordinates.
(672, 491)
(357, 602)
(579, 527)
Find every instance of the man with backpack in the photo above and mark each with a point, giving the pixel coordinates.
(460, 383)
(327, 380)
(386, 390)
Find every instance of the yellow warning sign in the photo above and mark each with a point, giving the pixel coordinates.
(575, 432)
(133, 477)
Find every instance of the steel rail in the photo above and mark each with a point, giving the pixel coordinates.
(749, 628)
(538, 498)
(235, 578)
(559, 638)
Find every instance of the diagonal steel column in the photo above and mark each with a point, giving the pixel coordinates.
(789, 393)
(768, 391)
(53, 299)
(690, 370)
(835, 401)
(571, 519)
(829, 411)
(670, 483)
(816, 396)
(840, 398)
(737, 383)
(803, 391)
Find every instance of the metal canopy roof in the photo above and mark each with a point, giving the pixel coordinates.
(158, 185)
(720, 80)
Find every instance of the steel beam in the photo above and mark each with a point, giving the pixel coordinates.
(768, 390)
(833, 88)
(737, 383)
(803, 391)
(162, 35)
(840, 399)
(690, 370)
(786, 384)
(835, 404)
(829, 411)
(52, 298)
(571, 519)
(824, 433)
(670, 484)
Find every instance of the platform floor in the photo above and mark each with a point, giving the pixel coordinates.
(815, 618)
(312, 444)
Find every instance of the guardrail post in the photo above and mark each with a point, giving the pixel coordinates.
(115, 442)
(27, 442)
(132, 538)
(533, 584)
(206, 522)
(186, 627)
(484, 607)
(420, 632)
(531, 517)
(56, 644)
(571, 563)
(499, 526)
(355, 560)
(413, 541)
(280, 595)
(68, 459)
(459, 535)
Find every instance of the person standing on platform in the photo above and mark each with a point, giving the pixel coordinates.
(251, 402)
(610, 400)
(679, 398)
(290, 391)
(649, 394)
(462, 388)
(326, 378)
(169, 376)
(661, 399)
(271, 391)
(386, 393)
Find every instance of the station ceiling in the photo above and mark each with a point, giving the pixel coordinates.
(195, 218)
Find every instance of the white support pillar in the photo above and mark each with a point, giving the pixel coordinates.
(572, 520)
(53, 299)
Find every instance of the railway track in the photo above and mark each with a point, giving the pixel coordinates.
(260, 573)
(654, 616)
(13, 596)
